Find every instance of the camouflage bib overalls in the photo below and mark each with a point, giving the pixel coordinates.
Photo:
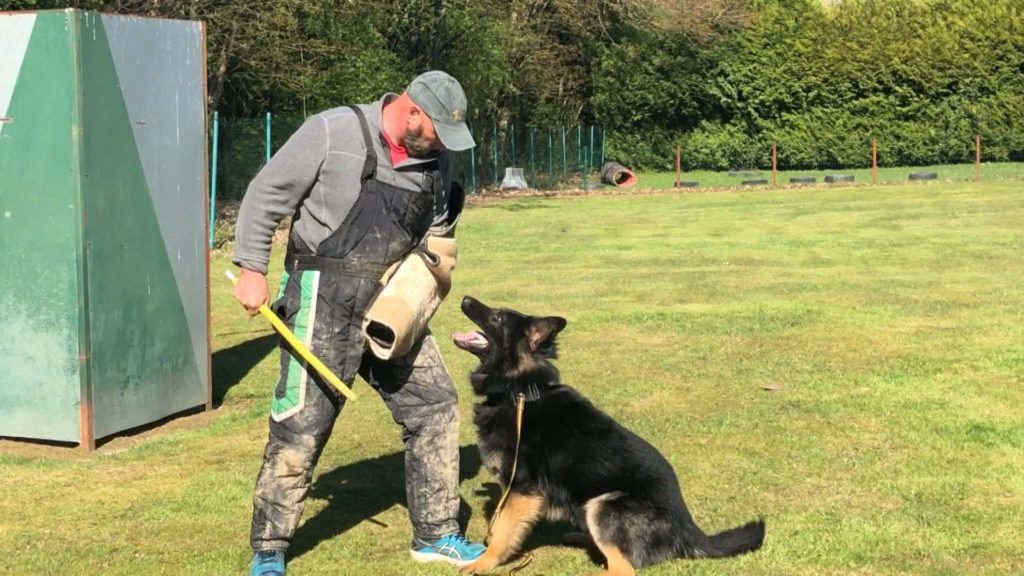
(323, 298)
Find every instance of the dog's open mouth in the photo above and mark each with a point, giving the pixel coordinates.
(471, 341)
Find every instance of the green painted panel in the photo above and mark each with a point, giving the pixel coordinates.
(143, 366)
(40, 384)
(159, 66)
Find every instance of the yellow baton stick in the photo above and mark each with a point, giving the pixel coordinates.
(300, 348)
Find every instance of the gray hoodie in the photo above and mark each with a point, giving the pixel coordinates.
(317, 171)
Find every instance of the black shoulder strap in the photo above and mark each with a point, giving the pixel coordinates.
(370, 165)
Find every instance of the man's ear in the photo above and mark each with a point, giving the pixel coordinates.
(413, 116)
(545, 329)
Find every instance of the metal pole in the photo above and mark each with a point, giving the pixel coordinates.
(775, 162)
(678, 167)
(590, 160)
(977, 157)
(579, 147)
(213, 177)
(533, 168)
(495, 155)
(472, 169)
(583, 173)
(875, 161)
(565, 169)
(604, 136)
(551, 167)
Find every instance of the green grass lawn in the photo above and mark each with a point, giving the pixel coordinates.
(887, 320)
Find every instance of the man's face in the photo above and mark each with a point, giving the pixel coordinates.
(420, 138)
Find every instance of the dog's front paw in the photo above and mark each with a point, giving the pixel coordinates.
(482, 564)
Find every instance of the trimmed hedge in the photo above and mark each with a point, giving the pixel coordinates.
(922, 77)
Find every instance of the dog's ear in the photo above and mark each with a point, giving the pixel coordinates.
(543, 329)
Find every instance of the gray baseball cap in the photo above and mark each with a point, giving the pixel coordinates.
(441, 98)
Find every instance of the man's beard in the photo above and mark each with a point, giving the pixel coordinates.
(414, 142)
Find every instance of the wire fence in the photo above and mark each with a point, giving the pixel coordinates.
(243, 146)
(979, 162)
(549, 157)
(571, 157)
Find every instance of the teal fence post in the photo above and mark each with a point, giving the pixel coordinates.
(495, 145)
(213, 177)
(579, 149)
(268, 137)
(590, 160)
(533, 168)
(472, 168)
(565, 168)
(551, 168)
(604, 136)
(583, 173)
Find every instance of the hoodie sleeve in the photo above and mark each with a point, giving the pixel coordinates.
(276, 191)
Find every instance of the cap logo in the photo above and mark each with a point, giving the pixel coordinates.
(457, 115)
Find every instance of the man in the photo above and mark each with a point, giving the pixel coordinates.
(364, 185)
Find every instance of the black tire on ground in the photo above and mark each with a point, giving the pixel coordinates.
(803, 179)
(839, 178)
(687, 184)
(923, 175)
(759, 182)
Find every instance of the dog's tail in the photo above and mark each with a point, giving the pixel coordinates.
(732, 542)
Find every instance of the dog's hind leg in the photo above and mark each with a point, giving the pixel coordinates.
(510, 529)
(618, 563)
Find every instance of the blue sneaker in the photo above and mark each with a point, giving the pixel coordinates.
(267, 563)
(453, 549)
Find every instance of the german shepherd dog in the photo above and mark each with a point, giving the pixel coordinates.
(574, 461)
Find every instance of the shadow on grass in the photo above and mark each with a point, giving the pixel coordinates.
(231, 365)
(359, 491)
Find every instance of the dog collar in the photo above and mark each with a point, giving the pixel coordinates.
(531, 392)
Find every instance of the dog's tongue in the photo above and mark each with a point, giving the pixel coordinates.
(470, 338)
